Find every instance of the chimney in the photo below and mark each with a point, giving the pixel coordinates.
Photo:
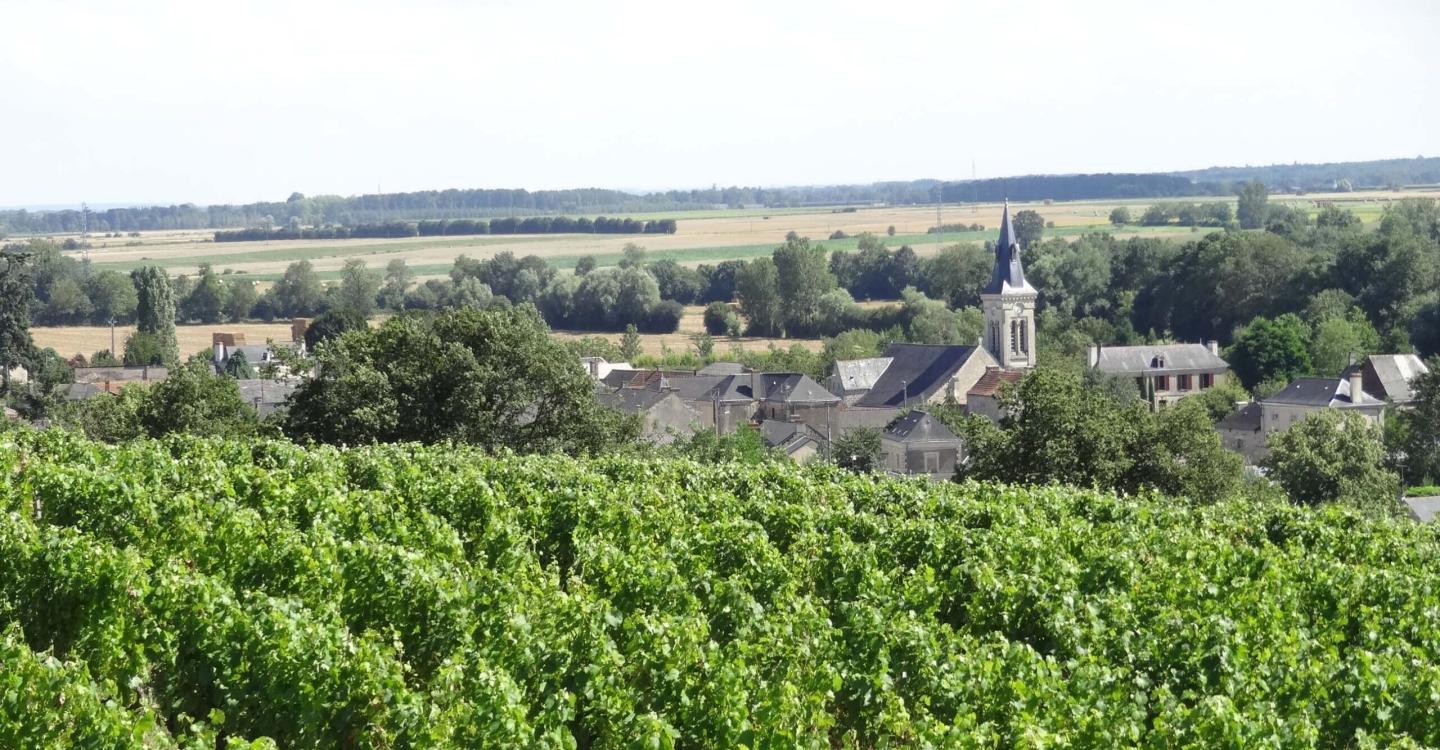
(1351, 363)
(1213, 346)
(1092, 355)
(217, 348)
(1356, 385)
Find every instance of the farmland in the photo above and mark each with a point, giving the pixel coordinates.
(703, 237)
(71, 340)
(194, 592)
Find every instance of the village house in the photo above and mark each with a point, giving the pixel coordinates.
(920, 374)
(919, 444)
(1388, 376)
(663, 414)
(797, 441)
(983, 398)
(1248, 430)
(1164, 373)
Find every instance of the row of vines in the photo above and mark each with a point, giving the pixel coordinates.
(193, 593)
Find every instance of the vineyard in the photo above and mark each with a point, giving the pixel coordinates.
(194, 593)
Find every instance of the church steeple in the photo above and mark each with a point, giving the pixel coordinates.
(1008, 302)
(1009, 275)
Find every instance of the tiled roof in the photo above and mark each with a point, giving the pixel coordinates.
(794, 388)
(1395, 373)
(1134, 360)
(916, 373)
(721, 368)
(787, 435)
(989, 384)
(633, 400)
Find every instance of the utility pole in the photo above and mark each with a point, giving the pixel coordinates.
(112, 337)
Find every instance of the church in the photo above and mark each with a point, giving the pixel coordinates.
(1008, 303)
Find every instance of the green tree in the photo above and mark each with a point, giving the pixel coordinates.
(1271, 350)
(1337, 339)
(113, 297)
(299, 292)
(145, 349)
(17, 290)
(359, 287)
(717, 318)
(757, 285)
(196, 400)
(1252, 210)
(858, 450)
(1420, 429)
(154, 315)
(491, 377)
(240, 299)
(704, 345)
(1425, 329)
(238, 367)
(584, 265)
(1179, 453)
(632, 256)
(68, 303)
(802, 277)
(957, 274)
(398, 278)
(1120, 216)
(630, 344)
(1029, 227)
(206, 301)
(1332, 456)
(332, 323)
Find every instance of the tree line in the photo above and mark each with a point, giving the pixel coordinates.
(457, 227)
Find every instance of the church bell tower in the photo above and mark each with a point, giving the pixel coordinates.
(1008, 302)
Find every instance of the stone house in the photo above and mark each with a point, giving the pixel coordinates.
(798, 442)
(1248, 430)
(920, 374)
(663, 414)
(1164, 373)
(920, 444)
(1389, 376)
(984, 397)
(853, 378)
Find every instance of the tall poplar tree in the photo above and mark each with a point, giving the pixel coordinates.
(155, 313)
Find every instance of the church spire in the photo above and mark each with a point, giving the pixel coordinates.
(1009, 275)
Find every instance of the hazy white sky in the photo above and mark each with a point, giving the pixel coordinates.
(211, 102)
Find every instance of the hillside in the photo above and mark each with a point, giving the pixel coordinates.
(188, 592)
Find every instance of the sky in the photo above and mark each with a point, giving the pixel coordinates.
(168, 102)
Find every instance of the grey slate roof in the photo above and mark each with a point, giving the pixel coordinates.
(721, 368)
(916, 372)
(633, 400)
(265, 395)
(1246, 419)
(1320, 392)
(1009, 276)
(126, 374)
(859, 374)
(1160, 358)
(919, 427)
(1395, 373)
(787, 435)
(794, 388)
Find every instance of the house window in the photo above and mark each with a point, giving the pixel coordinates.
(1206, 380)
(1239, 444)
(1162, 383)
(932, 463)
(1184, 382)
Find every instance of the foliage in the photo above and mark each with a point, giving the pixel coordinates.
(16, 291)
(358, 289)
(1252, 209)
(144, 349)
(1058, 428)
(332, 323)
(757, 284)
(195, 400)
(155, 314)
(490, 377)
(1420, 428)
(1029, 226)
(1271, 350)
(1332, 456)
(802, 277)
(858, 450)
(718, 318)
(213, 593)
(743, 446)
(1120, 216)
(238, 366)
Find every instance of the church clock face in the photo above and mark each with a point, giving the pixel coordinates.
(1019, 310)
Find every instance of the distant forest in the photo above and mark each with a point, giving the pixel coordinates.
(434, 205)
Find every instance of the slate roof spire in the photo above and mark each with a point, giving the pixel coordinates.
(1009, 275)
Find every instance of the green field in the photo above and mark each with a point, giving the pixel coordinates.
(207, 594)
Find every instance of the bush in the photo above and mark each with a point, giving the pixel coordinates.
(664, 317)
(717, 317)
